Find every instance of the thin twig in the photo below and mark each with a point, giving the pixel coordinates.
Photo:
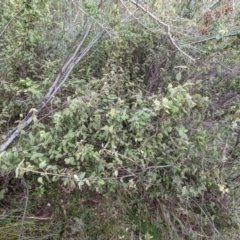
(82, 10)
(137, 173)
(16, 51)
(131, 15)
(166, 26)
(122, 156)
(214, 4)
(63, 73)
(9, 22)
(120, 177)
(208, 217)
(66, 65)
(156, 167)
(39, 218)
(21, 236)
(214, 38)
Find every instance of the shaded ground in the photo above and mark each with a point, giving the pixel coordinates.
(57, 213)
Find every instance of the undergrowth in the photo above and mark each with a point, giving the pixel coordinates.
(141, 142)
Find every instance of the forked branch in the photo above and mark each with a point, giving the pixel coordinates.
(61, 78)
(165, 25)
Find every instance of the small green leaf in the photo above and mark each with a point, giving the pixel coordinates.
(110, 129)
(70, 161)
(179, 76)
(82, 175)
(101, 182)
(184, 191)
(88, 183)
(40, 180)
(219, 36)
(16, 172)
(116, 173)
(2, 193)
(76, 177)
(113, 112)
(157, 104)
(36, 155)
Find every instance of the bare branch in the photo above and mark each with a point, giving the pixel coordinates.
(66, 65)
(208, 218)
(214, 38)
(21, 237)
(132, 15)
(16, 51)
(9, 22)
(122, 156)
(82, 10)
(214, 4)
(61, 78)
(166, 26)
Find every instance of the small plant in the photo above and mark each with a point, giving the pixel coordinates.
(39, 191)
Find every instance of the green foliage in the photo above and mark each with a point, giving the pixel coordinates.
(115, 137)
(39, 191)
(134, 120)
